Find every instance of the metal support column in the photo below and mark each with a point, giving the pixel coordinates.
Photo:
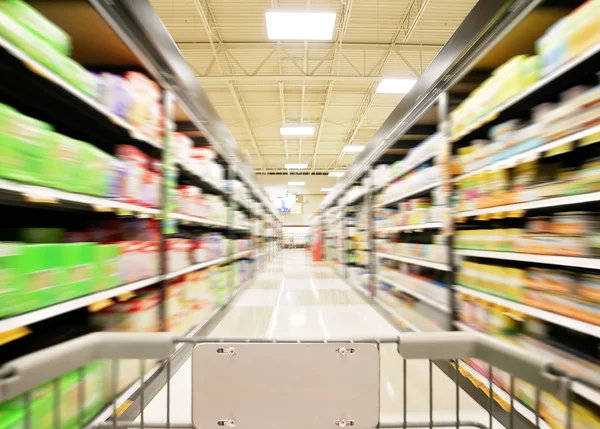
(446, 187)
(231, 206)
(169, 174)
(372, 265)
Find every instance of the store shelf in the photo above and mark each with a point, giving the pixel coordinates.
(414, 192)
(557, 319)
(187, 176)
(69, 96)
(406, 316)
(195, 267)
(582, 390)
(197, 220)
(125, 397)
(54, 198)
(566, 261)
(240, 255)
(538, 86)
(357, 197)
(416, 227)
(539, 204)
(407, 169)
(429, 301)
(415, 261)
(74, 304)
(531, 154)
(503, 395)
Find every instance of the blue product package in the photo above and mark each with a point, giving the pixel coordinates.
(122, 97)
(118, 179)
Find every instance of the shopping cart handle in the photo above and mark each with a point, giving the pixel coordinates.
(27, 372)
(463, 345)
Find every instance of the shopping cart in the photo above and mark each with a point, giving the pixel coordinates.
(264, 384)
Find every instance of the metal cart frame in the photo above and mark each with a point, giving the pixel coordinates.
(22, 375)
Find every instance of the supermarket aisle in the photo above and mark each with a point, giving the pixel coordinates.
(296, 299)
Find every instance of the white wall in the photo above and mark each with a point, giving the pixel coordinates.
(279, 183)
(310, 193)
(310, 204)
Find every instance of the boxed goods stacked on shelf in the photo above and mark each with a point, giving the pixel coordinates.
(92, 380)
(48, 266)
(538, 338)
(429, 149)
(82, 167)
(526, 205)
(425, 284)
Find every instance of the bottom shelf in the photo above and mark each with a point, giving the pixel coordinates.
(124, 399)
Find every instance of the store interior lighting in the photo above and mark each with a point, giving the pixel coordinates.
(295, 25)
(300, 166)
(395, 86)
(297, 131)
(353, 148)
(336, 173)
(326, 189)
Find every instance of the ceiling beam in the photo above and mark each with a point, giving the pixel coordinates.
(289, 77)
(321, 45)
(232, 89)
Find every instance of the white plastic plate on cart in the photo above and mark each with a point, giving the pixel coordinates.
(296, 386)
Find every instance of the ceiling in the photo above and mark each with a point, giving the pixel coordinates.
(257, 84)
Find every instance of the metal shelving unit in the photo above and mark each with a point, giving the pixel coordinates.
(451, 76)
(146, 46)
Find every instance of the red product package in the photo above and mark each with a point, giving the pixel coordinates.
(132, 154)
(150, 258)
(203, 153)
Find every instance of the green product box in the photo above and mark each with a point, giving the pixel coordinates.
(66, 163)
(12, 413)
(26, 146)
(77, 260)
(36, 23)
(41, 408)
(11, 281)
(106, 267)
(11, 418)
(41, 275)
(94, 395)
(43, 52)
(97, 171)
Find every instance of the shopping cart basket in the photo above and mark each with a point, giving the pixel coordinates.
(264, 384)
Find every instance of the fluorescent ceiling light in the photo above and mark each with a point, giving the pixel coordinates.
(336, 173)
(395, 86)
(300, 25)
(326, 189)
(297, 131)
(353, 148)
(296, 183)
(296, 165)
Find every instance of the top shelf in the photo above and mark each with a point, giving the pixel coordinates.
(37, 90)
(560, 79)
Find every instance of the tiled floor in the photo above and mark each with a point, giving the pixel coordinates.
(295, 299)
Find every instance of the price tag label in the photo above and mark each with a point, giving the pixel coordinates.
(102, 207)
(38, 69)
(14, 334)
(126, 296)
(124, 212)
(100, 305)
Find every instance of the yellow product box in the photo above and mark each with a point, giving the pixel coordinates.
(554, 412)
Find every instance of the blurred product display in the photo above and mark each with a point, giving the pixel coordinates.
(489, 222)
(114, 221)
